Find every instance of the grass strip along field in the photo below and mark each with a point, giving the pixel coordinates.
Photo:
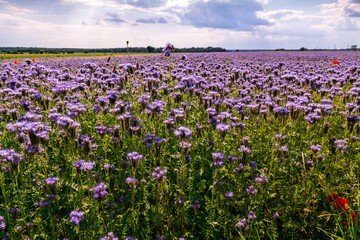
(258, 145)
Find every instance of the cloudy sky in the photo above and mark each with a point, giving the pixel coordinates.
(232, 24)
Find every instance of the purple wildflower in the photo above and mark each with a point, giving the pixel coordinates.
(131, 181)
(99, 191)
(76, 217)
(229, 194)
(251, 215)
(251, 190)
(109, 236)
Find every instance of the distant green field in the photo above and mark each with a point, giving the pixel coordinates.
(12, 56)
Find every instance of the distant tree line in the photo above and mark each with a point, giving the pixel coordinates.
(352, 48)
(148, 49)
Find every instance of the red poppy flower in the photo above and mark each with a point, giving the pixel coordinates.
(335, 62)
(343, 203)
(99, 65)
(353, 216)
(16, 62)
(338, 202)
(221, 57)
(33, 59)
(332, 198)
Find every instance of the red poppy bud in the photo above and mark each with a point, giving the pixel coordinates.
(332, 198)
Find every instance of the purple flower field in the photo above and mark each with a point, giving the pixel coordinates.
(230, 145)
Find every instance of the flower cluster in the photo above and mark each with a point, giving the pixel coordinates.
(99, 192)
(76, 217)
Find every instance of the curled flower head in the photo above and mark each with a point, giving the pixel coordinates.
(109, 236)
(159, 174)
(242, 223)
(183, 132)
(168, 47)
(229, 194)
(76, 217)
(51, 181)
(99, 191)
(131, 181)
(251, 215)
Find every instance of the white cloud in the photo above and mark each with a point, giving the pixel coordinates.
(14, 9)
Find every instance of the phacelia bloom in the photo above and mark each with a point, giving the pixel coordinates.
(312, 118)
(52, 181)
(42, 204)
(251, 215)
(185, 145)
(281, 111)
(315, 148)
(78, 164)
(232, 158)
(352, 119)
(109, 236)
(223, 129)
(340, 144)
(2, 222)
(253, 165)
(251, 190)
(109, 167)
(183, 132)
(168, 48)
(76, 217)
(159, 174)
(134, 157)
(196, 205)
(131, 181)
(280, 137)
(275, 215)
(261, 179)
(160, 237)
(14, 211)
(242, 223)
(283, 149)
(217, 182)
(87, 166)
(244, 149)
(229, 194)
(218, 156)
(179, 201)
(99, 191)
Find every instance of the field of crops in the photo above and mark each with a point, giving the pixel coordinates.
(258, 145)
